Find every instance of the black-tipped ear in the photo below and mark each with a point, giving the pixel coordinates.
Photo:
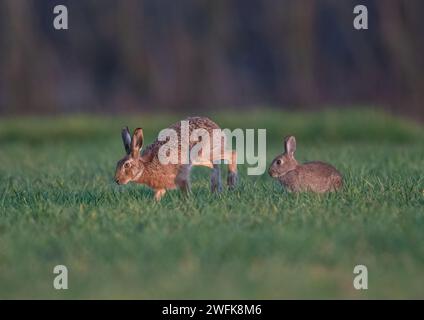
(126, 139)
(137, 142)
(290, 145)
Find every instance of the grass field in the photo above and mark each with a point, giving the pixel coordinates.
(59, 205)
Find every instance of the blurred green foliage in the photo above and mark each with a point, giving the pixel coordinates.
(331, 125)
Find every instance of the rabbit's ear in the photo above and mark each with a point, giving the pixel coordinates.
(137, 142)
(126, 139)
(290, 145)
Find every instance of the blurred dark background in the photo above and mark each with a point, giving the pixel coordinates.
(130, 56)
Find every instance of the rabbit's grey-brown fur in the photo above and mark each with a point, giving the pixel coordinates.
(146, 168)
(313, 176)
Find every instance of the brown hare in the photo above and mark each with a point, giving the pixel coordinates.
(146, 168)
(313, 176)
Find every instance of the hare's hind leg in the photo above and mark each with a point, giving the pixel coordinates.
(232, 169)
(183, 179)
(215, 175)
(216, 184)
(231, 158)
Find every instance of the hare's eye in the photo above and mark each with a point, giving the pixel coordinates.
(126, 165)
(278, 162)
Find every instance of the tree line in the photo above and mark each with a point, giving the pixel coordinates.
(132, 55)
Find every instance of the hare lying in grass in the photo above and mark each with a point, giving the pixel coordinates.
(146, 168)
(313, 176)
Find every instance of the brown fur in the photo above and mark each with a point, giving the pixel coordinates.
(313, 176)
(147, 169)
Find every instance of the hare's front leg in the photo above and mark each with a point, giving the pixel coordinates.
(159, 194)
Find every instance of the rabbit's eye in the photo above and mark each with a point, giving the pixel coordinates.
(126, 165)
(278, 162)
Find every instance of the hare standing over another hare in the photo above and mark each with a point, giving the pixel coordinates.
(146, 168)
(312, 176)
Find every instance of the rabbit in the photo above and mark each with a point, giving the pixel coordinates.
(145, 168)
(312, 176)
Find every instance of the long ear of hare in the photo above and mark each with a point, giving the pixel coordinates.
(290, 145)
(137, 142)
(126, 139)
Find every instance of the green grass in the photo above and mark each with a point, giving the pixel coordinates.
(59, 205)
